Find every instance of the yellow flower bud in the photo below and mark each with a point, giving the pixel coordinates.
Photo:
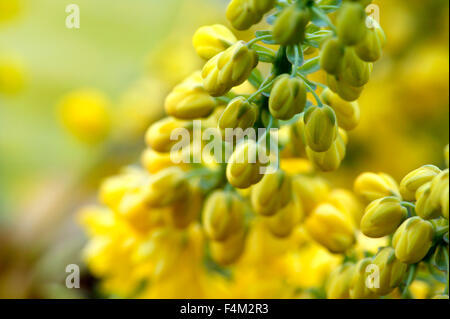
(262, 6)
(223, 215)
(355, 71)
(297, 137)
(242, 14)
(183, 213)
(284, 221)
(370, 48)
(287, 98)
(229, 68)
(347, 113)
(438, 186)
(338, 284)
(210, 40)
(158, 135)
(239, 113)
(351, 23)
(415, 179)
(272, 193)
(321, 129)
(344, 90)
(331, 228)
(331, 159)
(85, 113)
(114, 188)
(347, 202)
(371, 186)
(138, 214)
(189, 100)
(228, 251)
(154, 161)
(166, 188)
(310, 190)
(289, 28)
(331, 56)
(424, 207)
(382, 217)
(358, 283)
(391, 271)
(243, 169)
(413, 240)
(429, 196)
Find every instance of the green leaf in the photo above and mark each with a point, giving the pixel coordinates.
(290, 54)
(256, 78)
(438, 259)
(438, 275)
(262, 33)
(310, 66)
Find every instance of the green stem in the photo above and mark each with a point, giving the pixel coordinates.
(257, 39)
(310, 89)
(297, 62)
(324, 18)
(269, 126)
(260, 90)
(410, 207)
(411, 276)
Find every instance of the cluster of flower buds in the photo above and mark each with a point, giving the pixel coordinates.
(223, 195)
(414, 215)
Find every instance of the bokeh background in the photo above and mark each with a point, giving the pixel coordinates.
(123, 60)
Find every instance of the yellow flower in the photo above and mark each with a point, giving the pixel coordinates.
(358, 283)
(321, 129)
(310, 190)
(429, 196)
(166, 188)
(243, 169)
(347, 113)
(85, 113)
(282, 223)
(239, 113)
(344, 90)
(114, 188)
(184, 213)
(338, 284)
(223, 215)
(210, 40)
(370, 48)
(415, 179)
(189, 100)
(331, 159)
(347, 202)
(331, 56)
(382, 217)
(444, 202)
(390, 272)
(272, 193)
(331, 228)
(241, 15)
(154, 161)
(289, 28)
(413, 240)
(371, 186)
(354, 72)
(158, 136)
(228, 251)
(229, 68)
(351, 23)
(287, 98)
